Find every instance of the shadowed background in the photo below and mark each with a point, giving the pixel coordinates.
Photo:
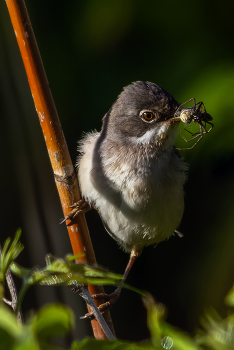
(90, 51)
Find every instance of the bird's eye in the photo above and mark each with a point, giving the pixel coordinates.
(148, 116)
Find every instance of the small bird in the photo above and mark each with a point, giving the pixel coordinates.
(131, 172)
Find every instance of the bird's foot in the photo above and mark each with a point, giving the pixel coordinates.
(179, 234)
(79, 207)
(111, 299)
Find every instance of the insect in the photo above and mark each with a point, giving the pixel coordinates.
(197, 114)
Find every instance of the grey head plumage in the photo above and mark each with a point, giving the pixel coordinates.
(123, 117)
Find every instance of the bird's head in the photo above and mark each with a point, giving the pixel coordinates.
(143, 114)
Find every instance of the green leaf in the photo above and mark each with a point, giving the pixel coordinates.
(61, 272)
(27, 341)
(155, 315)
(65, 272)
(8, 321)
(53, 320)
(10, 330)
(162, 333)
(19, 271)
(10, 252)
(219, 333)
(50, 321)
(229, 299)
(180, 340)
(4, 250)
(92, 344)
(6, 339)
(74, 257)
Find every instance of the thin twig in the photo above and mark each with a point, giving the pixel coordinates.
(84, 293)
(13, 293)
(14, 297)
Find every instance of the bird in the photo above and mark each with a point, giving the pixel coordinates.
(131, 172)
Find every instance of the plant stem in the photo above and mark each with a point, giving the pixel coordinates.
(22, 292)
(65, 177)
(89, 300)
(14, 298)
(12, 290)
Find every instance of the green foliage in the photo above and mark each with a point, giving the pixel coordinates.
(38, 332)
(65, 272)
(229, 300)
(218, 334)
(162, 333)
(57, 320)
(53, 321)
(10, 252)
(91, 344)
(10, 330)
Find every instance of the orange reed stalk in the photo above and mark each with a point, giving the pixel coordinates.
(65, 177)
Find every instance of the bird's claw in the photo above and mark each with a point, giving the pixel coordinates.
(111, 299)
(179, 234)
(79, 207)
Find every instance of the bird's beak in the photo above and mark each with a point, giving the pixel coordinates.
(174, 120)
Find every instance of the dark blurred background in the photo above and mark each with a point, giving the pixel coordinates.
(90, 50)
